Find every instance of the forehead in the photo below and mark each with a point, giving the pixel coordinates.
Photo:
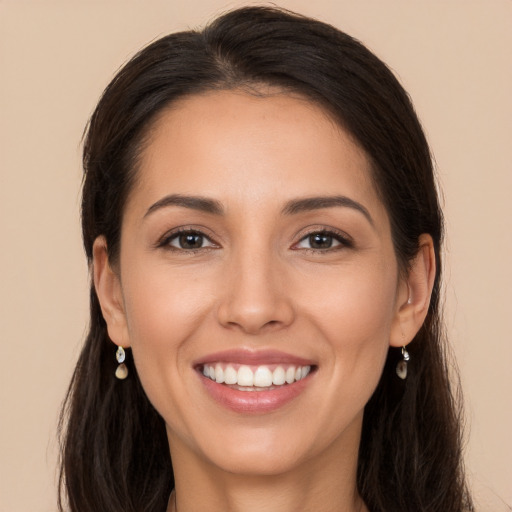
(233, 145)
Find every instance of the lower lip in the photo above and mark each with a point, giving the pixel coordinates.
(254, 402)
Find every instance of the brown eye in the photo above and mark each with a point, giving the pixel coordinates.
(320, 241)
(189, 240)
(323, 241)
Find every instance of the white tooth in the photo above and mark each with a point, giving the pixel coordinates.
(211, 372)
(290, 374)
(206, 373)
(245, 376)
(305, 371)
(263, 377)
(219, 374)
(298, 373)
(278, 377)
(230, 375)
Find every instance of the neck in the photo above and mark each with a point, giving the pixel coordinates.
(326, 483)
(351, 505)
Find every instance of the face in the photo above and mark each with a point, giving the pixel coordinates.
(258, 285)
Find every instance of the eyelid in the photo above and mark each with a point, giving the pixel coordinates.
(345, 241)
(164, 241)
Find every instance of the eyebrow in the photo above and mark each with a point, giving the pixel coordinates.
(318, 203)
(293, 207)
(202, 204)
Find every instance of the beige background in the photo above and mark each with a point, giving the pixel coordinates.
(454, 57)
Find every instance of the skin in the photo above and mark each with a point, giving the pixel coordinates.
(256, 283)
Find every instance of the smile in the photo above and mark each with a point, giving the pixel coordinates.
(255, 382)
(255, 378)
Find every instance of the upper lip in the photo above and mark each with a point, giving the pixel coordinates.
(253, 357)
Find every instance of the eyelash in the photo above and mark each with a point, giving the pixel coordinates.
(165, 241)
(343, 241)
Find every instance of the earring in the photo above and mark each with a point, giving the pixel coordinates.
(401, 367)
(121, 370)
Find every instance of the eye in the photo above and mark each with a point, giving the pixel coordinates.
(323, 240)
(187, 240)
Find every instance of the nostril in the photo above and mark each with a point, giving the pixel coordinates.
(254, 313)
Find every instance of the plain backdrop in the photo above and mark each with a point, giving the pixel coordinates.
(454, 57)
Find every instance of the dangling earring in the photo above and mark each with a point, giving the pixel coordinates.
(401, 367)
(121, 370)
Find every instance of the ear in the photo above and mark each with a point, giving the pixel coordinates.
(108, 289)
(413, 298)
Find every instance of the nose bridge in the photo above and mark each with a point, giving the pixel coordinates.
(254, 296)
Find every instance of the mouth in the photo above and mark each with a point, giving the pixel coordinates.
(255, 377)
(254, 383)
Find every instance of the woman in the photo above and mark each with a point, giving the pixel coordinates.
(260, 215)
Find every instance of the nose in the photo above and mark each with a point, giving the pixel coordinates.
(255, 296)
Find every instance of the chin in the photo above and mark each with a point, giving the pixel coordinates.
(258, 463)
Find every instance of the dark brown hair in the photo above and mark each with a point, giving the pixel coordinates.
(115, 455)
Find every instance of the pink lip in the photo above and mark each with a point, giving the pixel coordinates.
(253, 402)
(253, 357)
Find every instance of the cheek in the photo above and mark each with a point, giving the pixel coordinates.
(164, 308)
(357, 299)
(355, 317)
(355, 313)
(159, 299)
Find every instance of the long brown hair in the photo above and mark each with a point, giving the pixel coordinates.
(115, 455)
